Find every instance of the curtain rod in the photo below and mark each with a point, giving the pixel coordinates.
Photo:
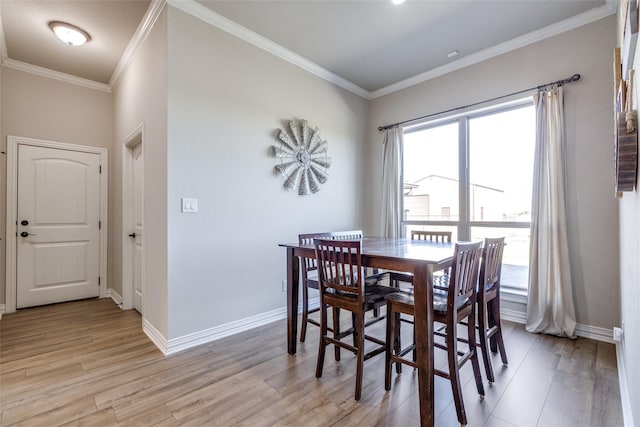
(571, 79)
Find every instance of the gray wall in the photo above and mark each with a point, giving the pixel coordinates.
(140, 97)
(592, 210)
(42, 108)
(226, 101)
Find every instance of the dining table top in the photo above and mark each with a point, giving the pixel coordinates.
(420, 251)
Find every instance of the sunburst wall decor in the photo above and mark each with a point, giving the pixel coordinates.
(304, 159)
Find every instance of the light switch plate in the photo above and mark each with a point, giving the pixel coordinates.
(189, 205)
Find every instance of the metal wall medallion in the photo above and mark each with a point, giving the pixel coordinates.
(304, 159)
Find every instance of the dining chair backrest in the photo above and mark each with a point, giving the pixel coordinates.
(491, 266)
(434, 236)
(309, 264)
(340, 266)
(464, 273)
(347, 235)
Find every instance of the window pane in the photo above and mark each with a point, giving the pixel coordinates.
(501, 148)
(515, 260)
(430, 174)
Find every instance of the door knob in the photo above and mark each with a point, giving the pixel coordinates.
(26, 234)
(24, 222)
(133, 235)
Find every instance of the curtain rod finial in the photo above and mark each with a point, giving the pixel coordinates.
(575, 77)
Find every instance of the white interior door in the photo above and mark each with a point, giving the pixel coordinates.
(58, 213)
(136, 191)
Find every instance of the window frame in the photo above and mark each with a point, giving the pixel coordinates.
(464, 223)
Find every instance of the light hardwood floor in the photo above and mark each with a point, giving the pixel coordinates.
(89, 363)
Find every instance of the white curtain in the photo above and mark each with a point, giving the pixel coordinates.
(391, 185)
(550, 308)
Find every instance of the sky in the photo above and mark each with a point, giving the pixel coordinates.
(501, 150)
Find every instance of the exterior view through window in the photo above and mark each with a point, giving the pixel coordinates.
(472, 175)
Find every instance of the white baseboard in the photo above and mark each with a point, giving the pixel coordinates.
(3, 307)
(595, 333)
(155, 336)
(313, 304)
(115, 296)
(585, 331)
(514, 316)
(627, 415)
(184, 342)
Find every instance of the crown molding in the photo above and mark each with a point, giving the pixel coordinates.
(143, 30)
(201, 12)
(207, 15)
(576, 21)
(56, 75)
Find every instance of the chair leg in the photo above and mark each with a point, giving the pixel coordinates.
(484, 345)
(359, 355)
(336, 331)
(471, 335)
(390, 339)
(454, 373)
(305, 312)
(491, 322)
(355, 330)
(397, 342)
(323, 343)
(495, 308)
(415, 349)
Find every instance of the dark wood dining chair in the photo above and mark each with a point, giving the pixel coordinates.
(454, 301)
(489, 325)
(434, 236)
(309, 281)
(342, 287)
(310, 277)
(373, 278)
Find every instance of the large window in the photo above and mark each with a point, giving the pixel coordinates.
(472, 175)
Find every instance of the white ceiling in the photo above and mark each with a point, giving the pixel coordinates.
(369, 45)
(375, 43)
(111, 25)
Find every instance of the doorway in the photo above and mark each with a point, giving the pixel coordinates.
(133, 224)
(56, 222)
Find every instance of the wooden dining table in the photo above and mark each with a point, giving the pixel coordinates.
(420, 258)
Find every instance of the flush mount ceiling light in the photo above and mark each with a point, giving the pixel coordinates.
(397, 1)
(69, 34)
(452, 54)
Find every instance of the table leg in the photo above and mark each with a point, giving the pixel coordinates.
(293, 272)
(423, 318)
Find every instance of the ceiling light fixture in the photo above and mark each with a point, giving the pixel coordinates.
(397, 1)
(69, 34)
(452, 54)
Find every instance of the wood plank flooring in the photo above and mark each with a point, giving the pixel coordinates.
(88, 363)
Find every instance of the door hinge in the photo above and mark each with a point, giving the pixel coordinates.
(100, 169)
(99, 225)
(99, 280)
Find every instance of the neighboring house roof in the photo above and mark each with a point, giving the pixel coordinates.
(411, 186)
